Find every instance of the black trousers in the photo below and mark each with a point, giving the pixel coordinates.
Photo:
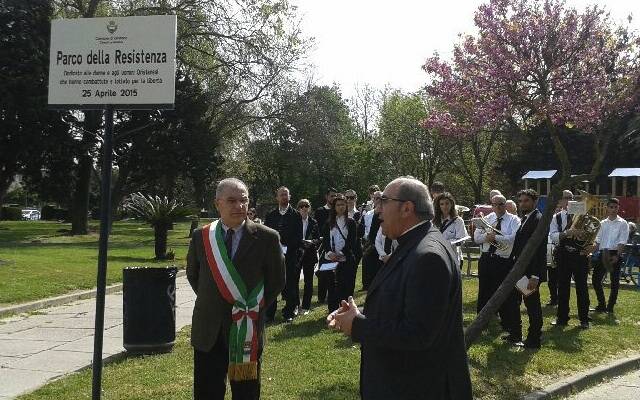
(322, 290)
(345, 280)
(534, 312)
(491, 272)
(552, 274)
(328, 281)
(307, 271)
(599, 272)
(371, 264)
(291, 291)
(572, 265)
(210, 375)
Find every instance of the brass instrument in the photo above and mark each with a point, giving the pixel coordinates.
(584, 228)
(482, 223)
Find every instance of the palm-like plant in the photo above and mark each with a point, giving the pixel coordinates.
(160, 213)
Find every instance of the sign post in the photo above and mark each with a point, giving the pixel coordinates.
(111, 64)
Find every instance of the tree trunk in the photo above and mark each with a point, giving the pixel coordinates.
(80, 203)
(160, 236)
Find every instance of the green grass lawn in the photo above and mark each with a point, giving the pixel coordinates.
(304, 360)
(38, 259)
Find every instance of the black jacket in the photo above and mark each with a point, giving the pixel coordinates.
(289, 226)
(412, 337)
(350, 246)
(310, 254)
(538, 265)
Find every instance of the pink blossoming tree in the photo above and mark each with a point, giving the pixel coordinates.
(532, 63)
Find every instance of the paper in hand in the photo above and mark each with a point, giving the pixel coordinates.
(522, 286)
(328, 266)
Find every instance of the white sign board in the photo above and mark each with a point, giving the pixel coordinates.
(577, 207)
(127, 62)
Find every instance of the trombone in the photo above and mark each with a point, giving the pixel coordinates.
(482, 223)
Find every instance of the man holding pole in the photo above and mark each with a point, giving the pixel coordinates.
(236, 269)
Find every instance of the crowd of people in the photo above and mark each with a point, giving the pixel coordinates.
(340, 235)
(410, 328)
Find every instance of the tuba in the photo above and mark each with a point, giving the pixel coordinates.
(482, 223)
(585, 226)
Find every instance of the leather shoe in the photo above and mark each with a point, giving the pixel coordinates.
(559, 323)
(584, 325)
(530, 344)
(600, 308)
(552, 303)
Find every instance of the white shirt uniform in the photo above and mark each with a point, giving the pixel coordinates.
(454, 231)
(554, 233)
(612, 233)
(508, 227)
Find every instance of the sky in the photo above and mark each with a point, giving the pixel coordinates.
(385, 42)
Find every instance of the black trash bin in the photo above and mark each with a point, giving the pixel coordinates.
(149, 306)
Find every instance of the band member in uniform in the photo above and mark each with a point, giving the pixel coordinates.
(231, 263)
(558, 224)
(611, 238)
(494, 263)
(536, 269)
(572, 263)
(286, 220)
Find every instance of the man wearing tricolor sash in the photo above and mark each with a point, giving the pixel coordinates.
(236, 269)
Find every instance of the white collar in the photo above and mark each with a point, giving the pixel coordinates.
(414, 227)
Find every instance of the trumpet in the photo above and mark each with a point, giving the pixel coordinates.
(482, 223)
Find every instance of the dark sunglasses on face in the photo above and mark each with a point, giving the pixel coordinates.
(304, 206)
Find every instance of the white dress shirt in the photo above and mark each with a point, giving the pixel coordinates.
(554, 233)
(612, 233)
(368, 217)
(456, 230)
(508, 227)
(337, 241)
(305, 223)
(380, 238)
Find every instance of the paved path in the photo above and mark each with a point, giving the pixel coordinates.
(56, 341)
(626, 387)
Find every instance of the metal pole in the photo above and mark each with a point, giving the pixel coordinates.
(105, 217)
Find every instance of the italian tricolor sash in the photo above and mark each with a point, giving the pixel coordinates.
(243, 338)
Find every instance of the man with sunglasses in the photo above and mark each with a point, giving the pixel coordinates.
(495, 264)
(308, 252)
(611, 238)
(410, 329)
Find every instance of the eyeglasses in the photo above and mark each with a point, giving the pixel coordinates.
(384, 199)
(304, 206)
(350, 197)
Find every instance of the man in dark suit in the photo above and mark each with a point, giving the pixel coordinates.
(321, 215)
(257, 260)
(286, 220)
(411, 326)
(536, 272)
